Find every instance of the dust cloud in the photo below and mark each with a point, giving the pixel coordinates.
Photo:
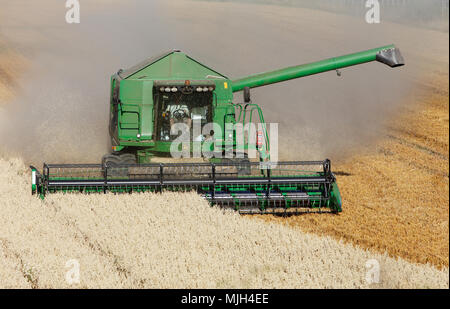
(61, 114)
(322, 115)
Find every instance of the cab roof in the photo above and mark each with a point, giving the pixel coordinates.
(171, 65)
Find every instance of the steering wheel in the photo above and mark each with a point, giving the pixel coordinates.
(180, 114)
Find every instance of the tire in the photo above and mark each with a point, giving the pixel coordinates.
(112, 161)
(127, 158)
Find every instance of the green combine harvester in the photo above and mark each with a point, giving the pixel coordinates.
(148, 99)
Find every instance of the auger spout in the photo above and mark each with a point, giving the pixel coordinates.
(389, 55)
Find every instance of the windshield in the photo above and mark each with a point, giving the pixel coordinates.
(177, 107)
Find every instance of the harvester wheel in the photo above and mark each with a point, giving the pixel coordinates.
(112, 161)
(127, 158)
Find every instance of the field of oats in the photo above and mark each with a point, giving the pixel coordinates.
(173, 241)
(395, 192)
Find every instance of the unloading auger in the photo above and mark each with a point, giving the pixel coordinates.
(149, 98)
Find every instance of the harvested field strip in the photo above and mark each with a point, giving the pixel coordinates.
(429, 141)
(427, 162)
(426, 122)
(382, 212)
(403, 141)
(397, 198)
(174, 240)
(414, 165)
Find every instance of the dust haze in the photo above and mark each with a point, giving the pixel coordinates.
(61, 113)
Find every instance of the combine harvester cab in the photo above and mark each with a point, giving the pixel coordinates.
(148, 99)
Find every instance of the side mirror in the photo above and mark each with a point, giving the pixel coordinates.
(247, 95)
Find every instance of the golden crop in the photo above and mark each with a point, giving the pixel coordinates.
(173, 240)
